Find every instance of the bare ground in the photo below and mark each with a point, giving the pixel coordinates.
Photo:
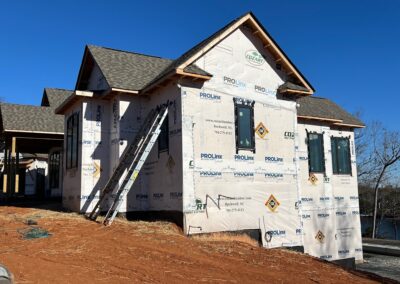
(82, 251)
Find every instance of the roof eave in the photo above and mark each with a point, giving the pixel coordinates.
(331, 121)
(32, 131)
(169, 76)
(350, 125)
(296, 92)
(72, 99)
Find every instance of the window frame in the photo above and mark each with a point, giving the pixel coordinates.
(323, 170)
(73, 127)
(166, 125)
(54, 169)
(348, 158)
(242, 103)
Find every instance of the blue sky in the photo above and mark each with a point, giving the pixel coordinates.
(349, 50)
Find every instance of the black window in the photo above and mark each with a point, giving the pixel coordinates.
(163, 138)
(244, 125)
(316, 159)
(54, 169)
(72, 141)
(340, 155)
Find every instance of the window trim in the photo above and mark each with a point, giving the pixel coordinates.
(350, 173)
(69, 152)
(309, 152)
(242, 103)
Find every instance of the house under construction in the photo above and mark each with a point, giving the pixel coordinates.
(242, 143)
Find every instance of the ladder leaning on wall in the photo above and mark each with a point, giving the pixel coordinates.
(132, 160)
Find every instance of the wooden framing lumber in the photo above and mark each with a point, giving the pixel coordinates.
(17, 182)
(335, 122)
(349, 125)
(5, 183)
(13, 147)
(198, 76)
(320, 118)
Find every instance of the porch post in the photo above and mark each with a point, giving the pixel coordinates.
(14, 176)
(5, 171)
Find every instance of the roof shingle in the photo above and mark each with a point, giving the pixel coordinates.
(29, 118)
(324, 108)
(127, 70)
(56, 96)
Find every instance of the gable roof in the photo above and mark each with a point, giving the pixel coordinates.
(28, 118)
(53, 97)
(194, 53)
(138, 72)
(127, 70)
(317, 108)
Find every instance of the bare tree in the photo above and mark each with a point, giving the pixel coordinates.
(384, 153)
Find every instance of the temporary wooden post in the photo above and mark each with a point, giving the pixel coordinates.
(5, 170)
(16, 183)
(17, 171)
(13, 160)
(5, 183)
(13, 146)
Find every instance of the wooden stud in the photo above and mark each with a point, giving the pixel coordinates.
(5, 183)
(16, 183)
(13, 146)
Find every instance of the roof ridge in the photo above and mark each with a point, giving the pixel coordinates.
(61, 89)
(130, 52)
(176, 62)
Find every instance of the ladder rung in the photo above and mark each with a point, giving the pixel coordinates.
(132, 160)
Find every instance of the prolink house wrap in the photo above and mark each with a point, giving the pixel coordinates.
(209, 170)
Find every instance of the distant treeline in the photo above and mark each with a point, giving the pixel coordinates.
(388, 201)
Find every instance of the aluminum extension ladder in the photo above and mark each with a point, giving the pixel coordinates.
(133, 159)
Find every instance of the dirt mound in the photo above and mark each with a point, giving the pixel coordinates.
(80, 251)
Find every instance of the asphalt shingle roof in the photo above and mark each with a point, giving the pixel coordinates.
(325, 108)
(291, 86)
(127, 70)
(30, 118)
(56, 96)
(134, 71)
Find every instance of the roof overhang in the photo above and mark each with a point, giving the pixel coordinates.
(33, 132)
(332, 121)
(164, 80)
(72, 99)
(349, 125)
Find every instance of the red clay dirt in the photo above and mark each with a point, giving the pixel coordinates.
(82, 251)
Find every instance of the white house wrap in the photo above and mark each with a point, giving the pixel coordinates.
(237, 150)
